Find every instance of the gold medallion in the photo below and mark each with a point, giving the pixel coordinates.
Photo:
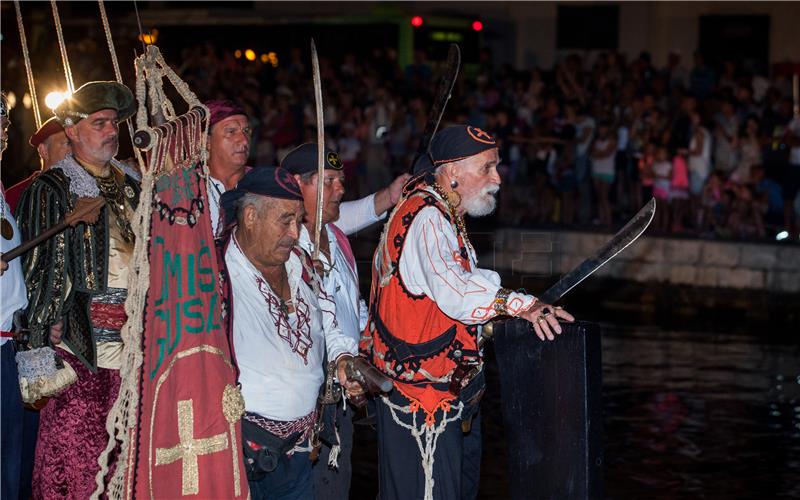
(129, 192)
(7, 230)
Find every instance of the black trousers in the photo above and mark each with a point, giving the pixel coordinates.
(334, 484)
(456, 460)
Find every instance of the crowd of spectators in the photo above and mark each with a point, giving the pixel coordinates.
(584, 143)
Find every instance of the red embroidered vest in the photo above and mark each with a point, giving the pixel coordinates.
(408, 337)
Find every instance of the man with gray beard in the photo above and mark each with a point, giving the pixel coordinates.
(429, 302)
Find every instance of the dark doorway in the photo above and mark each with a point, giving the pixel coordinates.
(744, 39)
(587, 27)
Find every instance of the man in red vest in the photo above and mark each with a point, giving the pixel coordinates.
(428, 304)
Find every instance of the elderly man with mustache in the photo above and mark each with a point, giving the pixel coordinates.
(77, 284)
(283, 327)
(428, 304)
(229, 147)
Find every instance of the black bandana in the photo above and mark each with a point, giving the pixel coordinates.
(453, 144)
(274, 182)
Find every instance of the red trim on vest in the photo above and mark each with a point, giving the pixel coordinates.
(414, 320)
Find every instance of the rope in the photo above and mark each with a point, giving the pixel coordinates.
(107, 28)
(139, 22)
(28, 71)
(177, 144)
(114, 60)
(425, 435)
(63, 47)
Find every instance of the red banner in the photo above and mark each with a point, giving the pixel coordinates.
(189, 435)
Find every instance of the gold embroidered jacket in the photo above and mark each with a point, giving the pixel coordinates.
(64, 272)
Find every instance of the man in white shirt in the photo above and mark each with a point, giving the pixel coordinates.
(428, 304)
(284, 327)
(14, 297)
(228, 148)
(340, 280)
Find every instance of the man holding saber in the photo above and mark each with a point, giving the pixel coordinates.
(429, 300)
(337, 266)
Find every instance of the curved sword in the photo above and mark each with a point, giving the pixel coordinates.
(622, 240)
(320, 147)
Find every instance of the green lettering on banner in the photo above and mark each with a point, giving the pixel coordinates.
(207, 271)
(212, 314)
(189, 309)
(160, 343)
(190, 275)
(196, 314)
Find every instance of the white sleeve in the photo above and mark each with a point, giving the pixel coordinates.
(336, 342)
(363, 315)
(430, 264)
(358, 214)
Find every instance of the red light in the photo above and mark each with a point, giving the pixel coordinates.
(477, 25)
(416, 21)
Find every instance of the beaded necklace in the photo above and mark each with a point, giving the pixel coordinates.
(458, 220)
(110, 190)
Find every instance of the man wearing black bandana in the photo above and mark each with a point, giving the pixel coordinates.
(283, 327)
(77, 284)
(337, 264)
(428, 304)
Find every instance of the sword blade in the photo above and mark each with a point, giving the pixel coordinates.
(622, 240)
(320, 147)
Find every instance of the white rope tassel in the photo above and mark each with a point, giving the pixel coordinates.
(430, 435)
(333, 458)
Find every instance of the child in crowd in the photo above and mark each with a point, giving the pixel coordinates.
(746, 219)
(603, 154)
(711, 202)
(646, 175)
(662, 179)
(679, 190)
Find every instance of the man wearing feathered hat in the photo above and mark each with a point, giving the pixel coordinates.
(77, 284)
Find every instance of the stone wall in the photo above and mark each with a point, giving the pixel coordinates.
(715, 264)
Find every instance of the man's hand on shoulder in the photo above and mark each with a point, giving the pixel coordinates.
(388, 197)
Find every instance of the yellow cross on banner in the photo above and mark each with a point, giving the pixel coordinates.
(189, 449)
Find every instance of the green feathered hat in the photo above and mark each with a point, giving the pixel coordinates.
(93, 97)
